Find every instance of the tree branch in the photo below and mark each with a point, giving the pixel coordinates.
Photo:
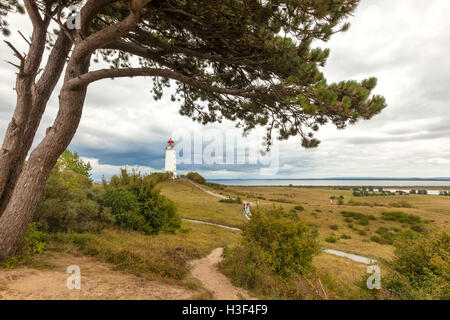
(138, 51)
(33, 13)
(93, 76)
(170, 48)
(105, 36)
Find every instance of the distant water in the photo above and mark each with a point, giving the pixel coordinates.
(332, 183)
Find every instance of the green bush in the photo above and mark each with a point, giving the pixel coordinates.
(331, 239)
(231, 200)
(276, 247)
(33, 243)
(359, 218)
(414, 221)
(137, 205)
(299, 208)
(194, 176)
(69, 202)
(420, 268)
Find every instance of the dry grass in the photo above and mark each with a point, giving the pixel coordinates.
(320, 213)
(196, 204)
(164, 256)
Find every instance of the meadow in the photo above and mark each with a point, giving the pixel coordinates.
(363, 225)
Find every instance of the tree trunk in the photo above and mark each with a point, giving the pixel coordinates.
(31, 103)
(30, 184)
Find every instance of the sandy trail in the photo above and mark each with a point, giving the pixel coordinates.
(98, 281)
(206, 270)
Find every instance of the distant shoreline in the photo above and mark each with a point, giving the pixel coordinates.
(412, 183)
(339, 179)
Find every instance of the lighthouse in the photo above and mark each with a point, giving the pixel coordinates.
(171, 158)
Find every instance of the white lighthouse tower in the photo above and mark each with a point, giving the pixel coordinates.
(171, 158)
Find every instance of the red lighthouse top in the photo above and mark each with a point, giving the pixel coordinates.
(170, 141)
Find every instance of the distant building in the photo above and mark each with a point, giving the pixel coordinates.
(171, 158)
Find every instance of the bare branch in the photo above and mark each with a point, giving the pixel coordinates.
(24, 38)
(14, 65)
(16, 52)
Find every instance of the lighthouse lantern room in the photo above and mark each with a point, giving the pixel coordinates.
(171, 158)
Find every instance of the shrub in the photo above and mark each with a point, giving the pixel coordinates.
(231, 200)
(360, 218)
(334, 227)
(33, 243)
(363, 221)
(420, 268)
(137, 205)
(384, 236)
(401, 217)
(401, 204)
(299, 208)
(194, 176)
(276, 247)
(281, 200)
(69, 203)
(331, 239)
(345, 236)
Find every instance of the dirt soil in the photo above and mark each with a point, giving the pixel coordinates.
(98, 281)
(206, 270)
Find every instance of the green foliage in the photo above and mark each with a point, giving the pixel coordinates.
(299, 208)
(420, 268)
(33, 243)
(359, 218)
(413, 220)
(71, 161)
(281, 240)
(276, 248)
(69, 202)
(384, 236)
(281, 200)
(137, 205)
(331, 239)
(194, 176)
(275, 81)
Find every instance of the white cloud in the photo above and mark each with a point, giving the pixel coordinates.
(403, 43)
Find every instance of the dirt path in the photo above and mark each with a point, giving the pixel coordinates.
(206, 270)
(98, 281)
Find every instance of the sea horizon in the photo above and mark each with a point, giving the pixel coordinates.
(338, 182)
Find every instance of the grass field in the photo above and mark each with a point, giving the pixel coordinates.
(318, 212)
(166, 256)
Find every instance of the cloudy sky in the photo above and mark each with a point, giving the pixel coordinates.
(404, 43)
